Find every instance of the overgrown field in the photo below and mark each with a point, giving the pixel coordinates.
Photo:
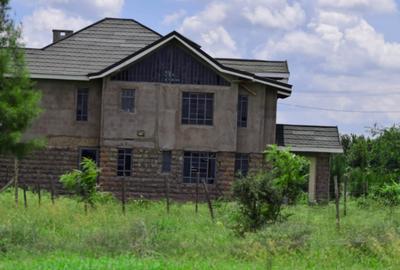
(62, 236)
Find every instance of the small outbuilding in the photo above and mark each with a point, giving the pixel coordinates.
(318, 144)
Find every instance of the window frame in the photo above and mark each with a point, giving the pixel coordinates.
(82, 105)
(166, 161)
(210, 174)
(203, 112)
(240, 160)
(242, 110)
(96, 149)
(133, 100)
(127, 152)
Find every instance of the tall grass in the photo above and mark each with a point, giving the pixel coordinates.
(62, 236)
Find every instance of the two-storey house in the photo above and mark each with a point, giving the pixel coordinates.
(149, 107)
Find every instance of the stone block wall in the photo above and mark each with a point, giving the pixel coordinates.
(41, 167)
(322, 178)
(148, 181)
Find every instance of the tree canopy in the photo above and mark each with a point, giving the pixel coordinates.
(19, 100)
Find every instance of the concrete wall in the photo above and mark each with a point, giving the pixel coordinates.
(158, 115)
(57, 123)
(261, 120)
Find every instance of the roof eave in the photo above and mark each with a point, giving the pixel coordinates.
(313, 149)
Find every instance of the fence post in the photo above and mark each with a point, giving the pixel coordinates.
(337, 202)
(166, 182)
(16, 180)
(25, 199)
(39, 194)
(123, 195)
(52, 191)
(197, 192)
(210, 208)
(345, 196)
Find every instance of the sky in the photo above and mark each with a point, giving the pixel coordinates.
(343, 55)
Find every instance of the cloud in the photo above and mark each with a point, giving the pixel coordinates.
(279, 15)
(382, 6)
(219, 42)
(208, 30)
(174, 17)
(37, 28)
(87, 8)
(64, 14)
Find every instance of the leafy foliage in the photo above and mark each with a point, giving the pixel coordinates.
(19, 100)
(369, 162)
(260, 196)
(389, 194)
(83, 182)
(290, 171)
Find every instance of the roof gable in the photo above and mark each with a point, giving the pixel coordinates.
(171, 63)
(284, 89)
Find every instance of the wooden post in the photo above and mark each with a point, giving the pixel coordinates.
(166, 182)
(16, 180)
(52, 191)
(210, 208)
(197, 192)
(25, 200)
(39, 194)
(123, 195)
(345, 196)
(337, 202)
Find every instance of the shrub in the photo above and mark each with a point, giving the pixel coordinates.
(389, 194)
(289, 171)
(83, 182)
(261, 195)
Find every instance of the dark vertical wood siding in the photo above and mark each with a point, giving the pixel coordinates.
(171, 64)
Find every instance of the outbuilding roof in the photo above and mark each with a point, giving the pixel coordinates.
(308, 139)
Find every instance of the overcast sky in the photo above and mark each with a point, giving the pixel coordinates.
(344, 55)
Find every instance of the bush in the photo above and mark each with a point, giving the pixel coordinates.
(261, 195)
(83, 182)
(389, 194)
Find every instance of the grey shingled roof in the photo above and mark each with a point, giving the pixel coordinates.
(255, 66)
(300, 138)
(91, 49)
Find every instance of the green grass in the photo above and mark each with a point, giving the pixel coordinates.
(64, 237)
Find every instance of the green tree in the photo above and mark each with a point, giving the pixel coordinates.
(83, 182)
(260, 196)
(19, 100)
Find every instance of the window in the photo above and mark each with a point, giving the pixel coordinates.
(82, 105)
(91, 153)
(241, 164)
(200, 164)
(128, 100)
(124, 162)
(166, 161)
(197, 108)
(242, 111)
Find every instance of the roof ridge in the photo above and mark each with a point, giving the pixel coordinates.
(100, 21)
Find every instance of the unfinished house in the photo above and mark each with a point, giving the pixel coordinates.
(148, 107)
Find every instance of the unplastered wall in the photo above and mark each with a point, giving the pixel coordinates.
(261, 119)
(156, 121)
(57, 122)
